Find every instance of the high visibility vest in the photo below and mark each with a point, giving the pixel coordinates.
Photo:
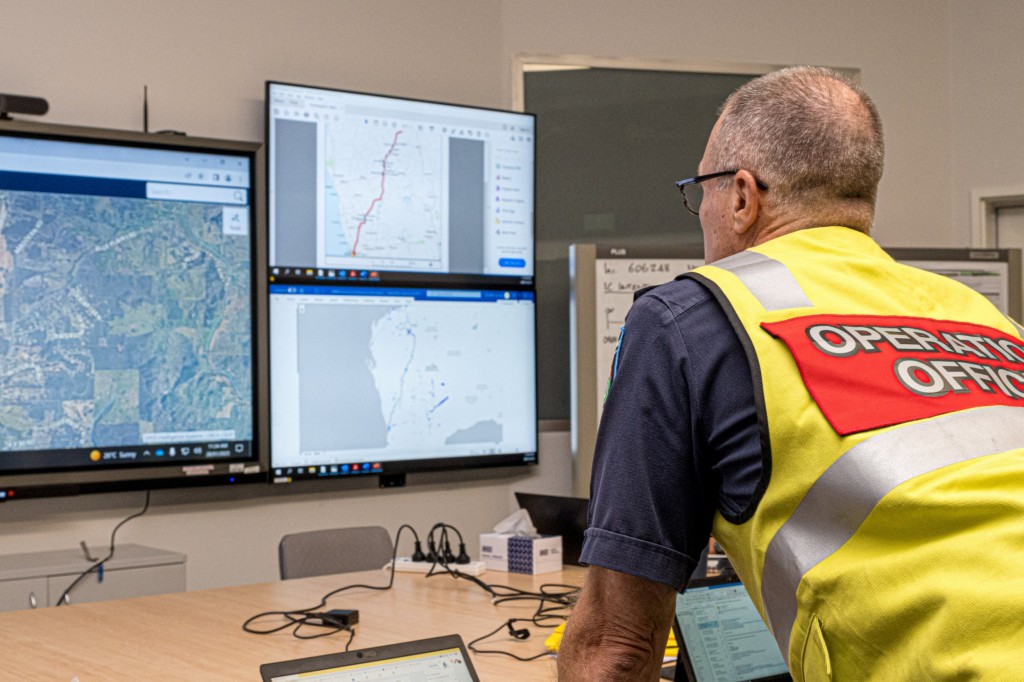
(886, 541)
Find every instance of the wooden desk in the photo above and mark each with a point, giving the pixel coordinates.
(199, 636)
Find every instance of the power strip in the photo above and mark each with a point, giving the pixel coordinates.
(406, 565)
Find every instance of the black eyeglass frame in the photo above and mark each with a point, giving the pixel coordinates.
(697, 179)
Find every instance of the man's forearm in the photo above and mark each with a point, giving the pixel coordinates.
(618, 629)
(607, 656)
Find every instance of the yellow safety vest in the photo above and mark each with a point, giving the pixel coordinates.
(887, 539)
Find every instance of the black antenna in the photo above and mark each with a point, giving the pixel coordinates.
(21, 104)
(145, 108)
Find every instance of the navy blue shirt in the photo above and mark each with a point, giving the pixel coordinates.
(678, 439)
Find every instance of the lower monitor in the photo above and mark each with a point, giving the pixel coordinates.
(386, 380)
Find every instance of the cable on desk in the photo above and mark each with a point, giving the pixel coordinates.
(98, 566)
(296, 619)
(553, 599)
(499, 593)
(542, 617)
(507, 624)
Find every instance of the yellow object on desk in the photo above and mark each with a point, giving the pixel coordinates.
(555, 639)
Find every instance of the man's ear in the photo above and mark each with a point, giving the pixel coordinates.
(746, 202)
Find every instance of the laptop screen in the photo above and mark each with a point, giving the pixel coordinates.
(555, 515)
(723, 635)
(441, 659)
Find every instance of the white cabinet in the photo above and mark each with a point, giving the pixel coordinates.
(38, 579)
(26, 593)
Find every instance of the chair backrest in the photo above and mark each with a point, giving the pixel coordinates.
(335, 550)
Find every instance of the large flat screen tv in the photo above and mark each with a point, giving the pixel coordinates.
(401, 270)
(126, 311)
(388, 380)
(363, 185)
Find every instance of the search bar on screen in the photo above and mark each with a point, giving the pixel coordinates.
(201, 193)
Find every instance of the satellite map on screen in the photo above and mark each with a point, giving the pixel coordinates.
(121, 321)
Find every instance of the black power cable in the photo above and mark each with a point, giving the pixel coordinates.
(65, 595)
(297, 619)
(542, 617)
(553, 599)
(517, 634)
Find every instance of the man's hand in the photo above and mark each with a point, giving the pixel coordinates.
(617, 630)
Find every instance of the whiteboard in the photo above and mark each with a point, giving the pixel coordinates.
(993, 273)
(603, 280)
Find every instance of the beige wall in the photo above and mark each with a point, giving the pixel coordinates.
(230, 534)
(944, 75)
(901, 49)
(206, 62)
(987, 94)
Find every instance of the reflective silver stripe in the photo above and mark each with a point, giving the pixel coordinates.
(1020, 329)
(771, 282)
(852, 486)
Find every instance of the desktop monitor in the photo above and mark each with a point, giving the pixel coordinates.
(388, 380)
(126, 310)
(557, 515)
(375, 187)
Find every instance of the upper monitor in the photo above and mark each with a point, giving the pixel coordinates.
(126, 310)
(361, 185)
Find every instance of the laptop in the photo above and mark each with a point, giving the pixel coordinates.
(554, 515)
(440, 659)
(721, 636)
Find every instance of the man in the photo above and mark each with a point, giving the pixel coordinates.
(849, 428)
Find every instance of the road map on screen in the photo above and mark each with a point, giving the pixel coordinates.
(383, 195)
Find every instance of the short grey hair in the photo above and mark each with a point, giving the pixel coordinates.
(809, 133)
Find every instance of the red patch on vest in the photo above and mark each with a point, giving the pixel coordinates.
(869, 371)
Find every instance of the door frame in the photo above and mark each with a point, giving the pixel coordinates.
(985, 203)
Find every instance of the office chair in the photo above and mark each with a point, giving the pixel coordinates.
(334, 550)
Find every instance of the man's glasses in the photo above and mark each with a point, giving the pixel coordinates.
(693, 191)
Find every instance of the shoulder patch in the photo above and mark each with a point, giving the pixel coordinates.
(868, 371)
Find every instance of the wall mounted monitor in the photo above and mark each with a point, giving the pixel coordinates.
(387, 380)
(126, 311)
(372, 188)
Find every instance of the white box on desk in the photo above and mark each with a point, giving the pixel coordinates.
(520, 554)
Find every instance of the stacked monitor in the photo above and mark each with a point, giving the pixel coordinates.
(400, 313)
(126, 311)
(402, 301)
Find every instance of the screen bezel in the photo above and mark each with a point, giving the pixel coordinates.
(110, 478)
(381, 654)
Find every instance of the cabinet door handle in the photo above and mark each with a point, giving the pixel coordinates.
(32, 602)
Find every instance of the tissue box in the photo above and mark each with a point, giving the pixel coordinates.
(519, 554)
